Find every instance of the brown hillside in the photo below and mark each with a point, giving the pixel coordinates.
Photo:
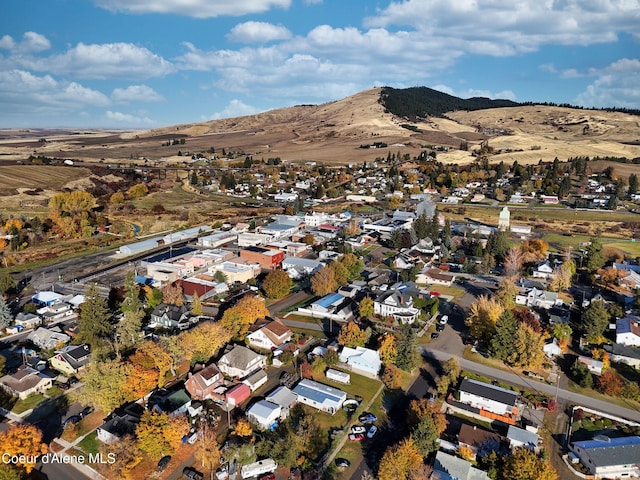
(333, 132)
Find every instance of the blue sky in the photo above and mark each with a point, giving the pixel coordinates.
(149, 63)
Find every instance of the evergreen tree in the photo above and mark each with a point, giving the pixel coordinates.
(595, 257)
(633, 184)
(407, 358)
(5, 313)
(595, 320)
(501, 345)
(131, 302)
(94, 327)
(420, 226)
(446, 234)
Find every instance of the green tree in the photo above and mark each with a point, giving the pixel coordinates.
(595, 257)
(633, 184)
(277, 284)
(425, 436)
(94, 327)
(501, 345)
(595, 320)
(581, 374)
(5, 313)
(131, 302)
(6, 282)
(104, 385)
(407, 356)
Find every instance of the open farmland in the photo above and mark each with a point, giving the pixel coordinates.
(13, 178)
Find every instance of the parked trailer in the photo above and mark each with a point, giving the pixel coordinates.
(260, 467)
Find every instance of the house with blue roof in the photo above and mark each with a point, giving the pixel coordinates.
(334, 306)
(628, 331)
(607, 457)
(320, 396)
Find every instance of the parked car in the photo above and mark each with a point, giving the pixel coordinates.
(358, 429)
(86, 411)
(342, 463)
(372, 431)
(72, 420)
(435, 335)
(440, 327)
(367, 417)
(444, 319)
(356, 437)
(268, 476)
(189, 473)
(73, 380)
(163, 462)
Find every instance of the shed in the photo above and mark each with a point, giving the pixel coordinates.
(238, 394)
(338, 376)
(264, 414)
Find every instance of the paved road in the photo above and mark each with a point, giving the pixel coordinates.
(515, 379)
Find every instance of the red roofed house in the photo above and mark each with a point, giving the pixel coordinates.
(202, 384)
(238, 394)
(269, 335)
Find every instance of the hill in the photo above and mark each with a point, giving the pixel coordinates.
(408, 121)
(421, 102)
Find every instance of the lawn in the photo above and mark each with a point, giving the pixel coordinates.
(90, 443)
(451, 291)
(28, 403)
(559, 242)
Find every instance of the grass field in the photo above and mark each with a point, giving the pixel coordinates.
(558, 242)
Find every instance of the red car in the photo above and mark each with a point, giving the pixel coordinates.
(356, 437)
(268, 476)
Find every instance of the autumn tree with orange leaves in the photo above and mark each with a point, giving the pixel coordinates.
(240, 317)
(23, 440)
(351, 335)
(172, 294)
(400, 461)
(159, 434)
(204, 341)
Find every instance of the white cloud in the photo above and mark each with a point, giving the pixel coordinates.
(508, 28)
(617, 85)
(101, 61)
(136, 93)
(258, 32)
(127, 119)
(312, 2)
(235, 108)
(31, 42)
(194, 8)
(25, 92)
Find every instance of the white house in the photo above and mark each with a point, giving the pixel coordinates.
(552, 349)
(297, 267)
(485, 396)
(283, 397)
(269, 335)
(534, 297)
(320, 396)
(594, 366)
(338, 376)
(394, 304)
(519, 437)
(241, 362)
(628, 330)
(264, 414)
(607, 457)
(362, 360)
(543, 270)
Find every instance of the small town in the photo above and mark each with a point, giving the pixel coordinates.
(375, 332)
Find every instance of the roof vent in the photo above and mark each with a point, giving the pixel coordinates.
(602, 438)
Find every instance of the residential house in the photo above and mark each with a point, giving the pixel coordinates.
(269, 334)
(57, 311)
(320, 396)
(552, 348)
(594, 366)
(170, 316)
(47, 338)
(480, 441)
(71, 360)
(28, 320)
(256, 380)
(403, 262)
(538, 298)
(284, 398)
(240, 362)
(628, 330)
(237, 271)
(520, 438)
(120, 423)
(491, 398)
(607, 457)
(26, 381)
(174, 403)
(435, 276)
(395, 304)
(297, 267)
(264, 414)
(624, 354)
(333, 306)
(362, 360)
(450, 467)
(202, 383)
(543, 270)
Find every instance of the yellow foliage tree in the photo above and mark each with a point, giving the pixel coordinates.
(23, 440)
(466, 453)
(126, 456)
(483, 315)
(208, 450)
(153, 357)
(240, 317)
(351, 335)
(324, 282)
(523, 464)
(204, 341)
(243, 428)
(158, 434)
(138, 190)
(387, 348)
(424, 408)
(13, 222)
(172, 294)
(400, 461)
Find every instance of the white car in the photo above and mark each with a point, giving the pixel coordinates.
(444, 319)
(358, 429)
